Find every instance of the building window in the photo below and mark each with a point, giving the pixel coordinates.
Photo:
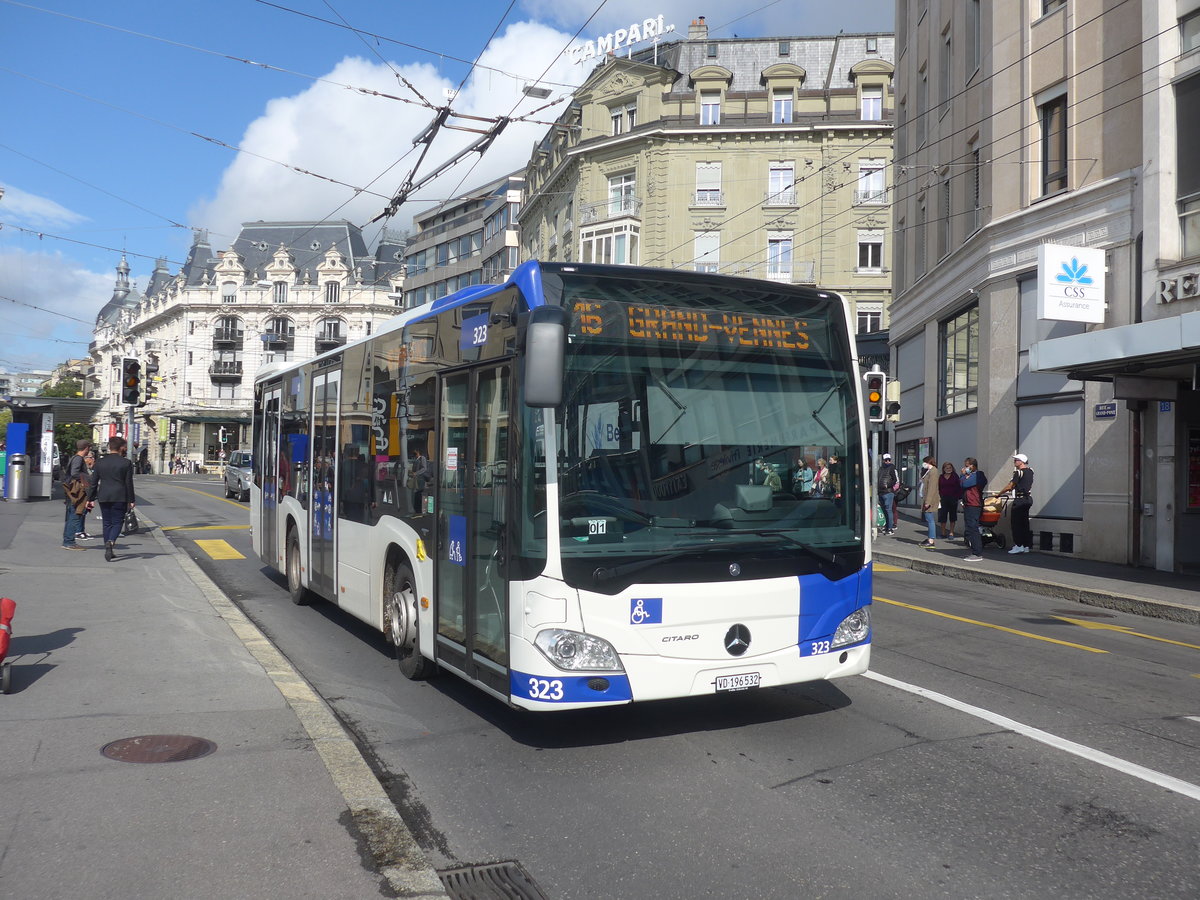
(868, 320)
(622, 194)
(708, 184)
(870, 252)
(899, 248)
(228, 292)
(1049, 6)
(706, 250)
(623, 118)
(871, 186)
(612, 245)
(976, 192)
(779, 256)
(781, 184)
(974, 29)
(922, 106)
(781, 107)
(958, 339)
(872, 104)
(784, 48)
(711, 51)
(333, 292)
(1189, 32)
(944, 79)
(943, 233)
(189, 357)
(872, 45)
(710, 108)
(1187, 166)
(279, 292)
(189, 389)
(1053, 115)
(919, 268)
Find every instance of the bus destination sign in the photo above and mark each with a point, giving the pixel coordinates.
(665, 324)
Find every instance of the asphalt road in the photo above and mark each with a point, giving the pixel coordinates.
(1053, 752)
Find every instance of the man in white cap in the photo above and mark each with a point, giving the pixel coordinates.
(886, 483)
(1022, 487)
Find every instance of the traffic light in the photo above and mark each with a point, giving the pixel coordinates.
(131, 381)
(223, 435)
(153, 379)
(876, 386)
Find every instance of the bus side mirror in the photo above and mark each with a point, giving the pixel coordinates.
(545, 355)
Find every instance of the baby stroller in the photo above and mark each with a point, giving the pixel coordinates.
(995, 520)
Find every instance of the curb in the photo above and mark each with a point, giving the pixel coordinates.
(1130, 603)
(394, 850)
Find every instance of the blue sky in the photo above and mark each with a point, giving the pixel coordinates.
(113, 111)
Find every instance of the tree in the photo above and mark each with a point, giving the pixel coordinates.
(66, 387)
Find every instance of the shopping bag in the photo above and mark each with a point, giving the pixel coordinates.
(130, 526)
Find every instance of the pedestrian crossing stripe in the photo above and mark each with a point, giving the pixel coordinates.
(219, 549)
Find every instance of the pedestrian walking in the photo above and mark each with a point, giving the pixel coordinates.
(930, 500)
(1021, 486)
(75, 494)
(112, 488)
(973, 483)
(949, 493)
(886, 483)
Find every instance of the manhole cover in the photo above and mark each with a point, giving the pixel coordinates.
(158, 748)
(491, 881)
(1085, 613)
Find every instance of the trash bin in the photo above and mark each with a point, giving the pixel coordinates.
(18, 478)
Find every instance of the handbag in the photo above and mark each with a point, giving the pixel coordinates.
(130, 525)
(902, 493)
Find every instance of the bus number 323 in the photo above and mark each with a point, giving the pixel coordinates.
(543, 689)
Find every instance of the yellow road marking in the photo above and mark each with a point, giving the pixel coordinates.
(180, 487)
(205, 527)
(219, 549)
(884, 567)
(1124, 629)
(1036, 637)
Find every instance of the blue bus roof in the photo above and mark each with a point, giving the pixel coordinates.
(527, 278)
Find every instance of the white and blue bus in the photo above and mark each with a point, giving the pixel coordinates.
(585, 486)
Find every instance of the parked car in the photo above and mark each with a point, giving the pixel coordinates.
(238, 474)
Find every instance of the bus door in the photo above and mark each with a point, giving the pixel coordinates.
(322, 519)
(265, 456)
(471, 499)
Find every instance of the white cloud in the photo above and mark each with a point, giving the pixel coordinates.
(32, 211)
(358, 139)
(34, 338)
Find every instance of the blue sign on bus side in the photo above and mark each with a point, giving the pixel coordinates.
(456, 550)
(474, 331)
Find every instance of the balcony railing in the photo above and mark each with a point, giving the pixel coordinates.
(874, 196)
(785, 197)
(615, 208)
(330, 341)
(708, 197)
(225, 370)
(224, 336)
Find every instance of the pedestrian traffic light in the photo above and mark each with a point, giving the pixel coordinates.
(131, 381)
(876, 386)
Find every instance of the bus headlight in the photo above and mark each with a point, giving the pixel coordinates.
(854, 628)
(574, 650)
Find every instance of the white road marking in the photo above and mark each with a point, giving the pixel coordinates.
(1177, 785)
(1192, 718)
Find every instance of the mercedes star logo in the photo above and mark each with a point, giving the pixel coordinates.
(737, 640)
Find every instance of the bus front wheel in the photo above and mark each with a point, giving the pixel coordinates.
(296, 588)
(400, 607)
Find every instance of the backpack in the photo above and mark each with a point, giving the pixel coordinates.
(887, 478)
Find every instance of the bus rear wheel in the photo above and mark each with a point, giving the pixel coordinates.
(400, 610)
(296, 588)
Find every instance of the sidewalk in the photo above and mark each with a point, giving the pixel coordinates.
(147, 645)
(1146, 592)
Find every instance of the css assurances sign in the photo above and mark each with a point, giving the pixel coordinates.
(1070, 284)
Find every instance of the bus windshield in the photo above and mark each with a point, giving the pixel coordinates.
(728, 422)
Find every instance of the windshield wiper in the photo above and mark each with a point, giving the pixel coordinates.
(606, 573)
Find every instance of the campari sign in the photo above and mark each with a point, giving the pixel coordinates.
(1070, 284)
(635, 33)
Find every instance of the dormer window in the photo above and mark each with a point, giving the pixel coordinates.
(785, 48)
(711, 51)
(333, 292)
